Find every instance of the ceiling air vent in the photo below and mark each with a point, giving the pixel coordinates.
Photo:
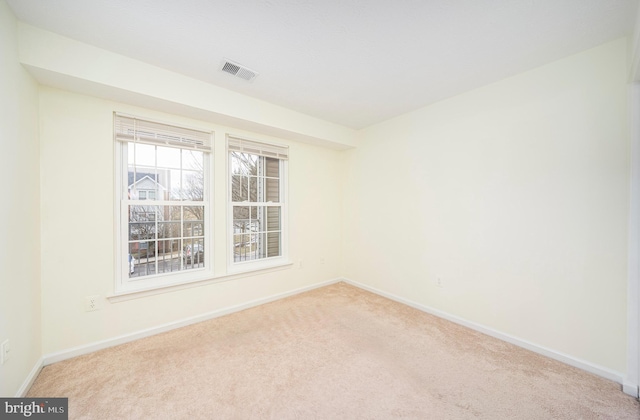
(238, 70)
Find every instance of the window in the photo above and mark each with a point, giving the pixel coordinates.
(163, 204)
(257, 205)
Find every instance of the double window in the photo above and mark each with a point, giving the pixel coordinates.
(164, 201)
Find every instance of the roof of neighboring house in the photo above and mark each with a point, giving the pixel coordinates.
(145, 182)
(140, 175)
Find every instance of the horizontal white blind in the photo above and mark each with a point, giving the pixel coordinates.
(136, 130)
(257, 148)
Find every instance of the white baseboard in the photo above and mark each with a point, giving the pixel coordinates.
(90, 348)
(26, 385)
(631, 389)
(569, 360)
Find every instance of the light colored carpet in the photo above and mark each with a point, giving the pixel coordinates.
(333, 353)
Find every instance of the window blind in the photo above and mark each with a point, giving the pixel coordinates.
(132, 129)
(257, 148)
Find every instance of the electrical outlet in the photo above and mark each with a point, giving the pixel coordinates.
(322, 261)
(5, 351)
(439, 283)
(299, 264)
(91, 303)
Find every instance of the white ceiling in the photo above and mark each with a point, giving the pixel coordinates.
(352, 62)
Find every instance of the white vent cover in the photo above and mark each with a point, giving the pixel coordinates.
(238, 70)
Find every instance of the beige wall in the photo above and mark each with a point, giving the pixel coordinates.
(19, 212)
(77, 164)
(515, 196)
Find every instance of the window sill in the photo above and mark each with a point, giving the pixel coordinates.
(135, 294)
(255, 265)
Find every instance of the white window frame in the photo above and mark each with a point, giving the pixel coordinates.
(123, 283)
(267, 149)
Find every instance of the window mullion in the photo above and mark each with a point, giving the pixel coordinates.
(156, 215)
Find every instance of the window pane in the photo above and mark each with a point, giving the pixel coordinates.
(193, 213)
(143, 184)
(143, 256)
(169, 230)
(168, 157)
(139, 231)
(131, 259)
(253, 189)
(131, 179)
(273, 244)
(130, 155)
(255, 225)
(193, 253)
(241, 240)
(193, 221)
(142, 222)
(168, 258)
(193, 228)
(240, 250)
(192, 160)
(239, 188)
(172, 247)
(143, 251)
(272, 167)
(273, 190)
(192, 186)
(142, 213)
(240, 219)
(173, 185)
(246, 247)
(244, 164)
(174, 213)
(273, 219)
(162, 182)
(145, 155)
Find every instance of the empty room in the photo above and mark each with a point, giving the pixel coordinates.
(320, 209)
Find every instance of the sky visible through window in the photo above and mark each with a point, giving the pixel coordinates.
(179, 172)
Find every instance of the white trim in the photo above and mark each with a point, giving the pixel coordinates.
(561, 357)
(135, 294)
(244, 267)
(31, 378)
(632, 378)
(103, 344)
(630, 389)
